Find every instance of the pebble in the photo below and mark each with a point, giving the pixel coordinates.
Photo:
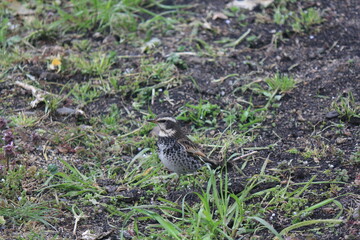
(332, 114)
(340, 140)
(65, 111)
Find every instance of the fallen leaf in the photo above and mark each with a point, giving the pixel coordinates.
(219, 15)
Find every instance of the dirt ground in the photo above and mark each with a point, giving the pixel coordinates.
(325, 63)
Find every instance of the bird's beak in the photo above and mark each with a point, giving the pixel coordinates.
(152, 120)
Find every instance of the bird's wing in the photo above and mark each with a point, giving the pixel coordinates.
(191, 147)
(194, 149)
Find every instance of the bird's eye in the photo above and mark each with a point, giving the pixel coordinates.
(161, 121)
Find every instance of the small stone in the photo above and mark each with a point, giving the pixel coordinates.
(340, 140)
(332, 114)
(65, 111)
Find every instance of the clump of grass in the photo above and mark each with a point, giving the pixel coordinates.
(346, 106)
(301, 21)
(305, 19)
(11, 188)
(4, 32)
(243, 117)
(85, 93)
(97, 64)
(204, 113)
(24, 120)
(24, 211)
(220, 213)
(73, 182)
(281, 83)
(117, 17)
(41, 30)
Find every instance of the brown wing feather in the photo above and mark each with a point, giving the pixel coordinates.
(194, 149)
(191, 147)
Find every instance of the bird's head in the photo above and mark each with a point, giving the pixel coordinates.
(167, 126)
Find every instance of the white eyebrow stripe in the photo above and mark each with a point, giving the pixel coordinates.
(167, 119)
(166, 133)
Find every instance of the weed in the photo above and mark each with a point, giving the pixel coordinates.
(42, 31)
(24, 120)
(74, 183)
(280, 17)
(342, 175)
(243, 117)
(305, 20)
(293, 151)
(202, 114)
(346, 107)
(300, 21)
(98, 63)
(4, 32)
(52, 103)
(355, 157)
(315, 153)
(85, 93)
(83, 45)
(11, 188)
(112, 119)
(281, 83)
(26, 211)
(175, 59)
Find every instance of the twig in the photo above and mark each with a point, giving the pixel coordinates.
(36, 92)
(40, 96)
(244, 156)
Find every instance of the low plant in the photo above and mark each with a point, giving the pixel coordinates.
(281, 83)
(306, 19)
(347, 107)
(85, 93)
(97, 64)
(204, 113)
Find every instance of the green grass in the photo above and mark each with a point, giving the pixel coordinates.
(98, 63)
(346, 106)
(219, 214)
(118, 84)
(21, 119)
(281, 83)
(300, 20)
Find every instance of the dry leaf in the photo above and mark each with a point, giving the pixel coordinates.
(219, 15)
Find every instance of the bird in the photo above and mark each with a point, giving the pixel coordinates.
(176, 151)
